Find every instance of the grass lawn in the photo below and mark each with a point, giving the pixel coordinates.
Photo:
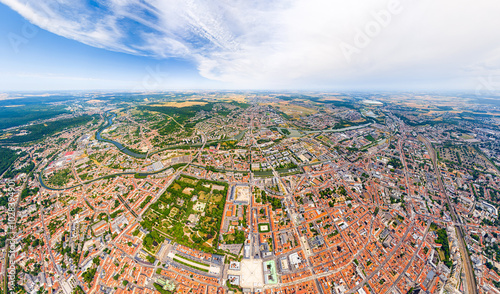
(194, 261)
(190, 265)
(441, 254)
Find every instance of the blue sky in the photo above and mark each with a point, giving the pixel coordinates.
(237, 44)
(36, 59)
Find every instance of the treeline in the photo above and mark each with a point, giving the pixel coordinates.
(25, 169)
(181, 114)
(346, 103)
(275, 202)
(425, 122)
(60, 178)
(152, 239)
(443, 240)
(240, 104)
(171, 198)
(169, 128)
(29, 192)
(7, 157)
(285, 132)
(345, 123)
(395, 162)
(238, 237)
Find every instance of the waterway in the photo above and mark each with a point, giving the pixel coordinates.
(40, 179)
(98, 137)
(117, 144)
(120, 147)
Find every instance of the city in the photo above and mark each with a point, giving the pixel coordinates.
(260, 192)
(242, 147)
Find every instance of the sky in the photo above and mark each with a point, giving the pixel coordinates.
(239, 44)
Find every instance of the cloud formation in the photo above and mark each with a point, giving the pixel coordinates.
(290, 42)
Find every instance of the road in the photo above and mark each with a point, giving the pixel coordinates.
(60, 275)
(123, 201)
(410, 227)
(381, 266)
(47, 241)
(304, 247)
(415, 254)
(289, 198)
(467, 264)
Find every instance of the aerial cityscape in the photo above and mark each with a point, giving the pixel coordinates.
(223, 192)
(230, 147)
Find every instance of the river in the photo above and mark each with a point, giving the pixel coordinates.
(117, 144)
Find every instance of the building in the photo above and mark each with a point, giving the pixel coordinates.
(100, 228)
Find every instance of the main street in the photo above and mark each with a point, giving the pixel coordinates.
(400, 243)
(415, 254)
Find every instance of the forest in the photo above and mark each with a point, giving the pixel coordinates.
(40, 131)
(181, 114)
(7, 157)
(23, 114)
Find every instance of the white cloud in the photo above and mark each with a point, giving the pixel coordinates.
(291, 42)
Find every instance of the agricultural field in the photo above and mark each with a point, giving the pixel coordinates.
(294, 111)
(180, 103)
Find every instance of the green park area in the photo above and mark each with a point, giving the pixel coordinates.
(189, 213)
(60, 178)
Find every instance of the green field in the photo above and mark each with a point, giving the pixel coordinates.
(190, 265)
(194, 261)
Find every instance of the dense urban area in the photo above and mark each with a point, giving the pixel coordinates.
(228, 192)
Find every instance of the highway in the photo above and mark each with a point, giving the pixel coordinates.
(467, 264)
